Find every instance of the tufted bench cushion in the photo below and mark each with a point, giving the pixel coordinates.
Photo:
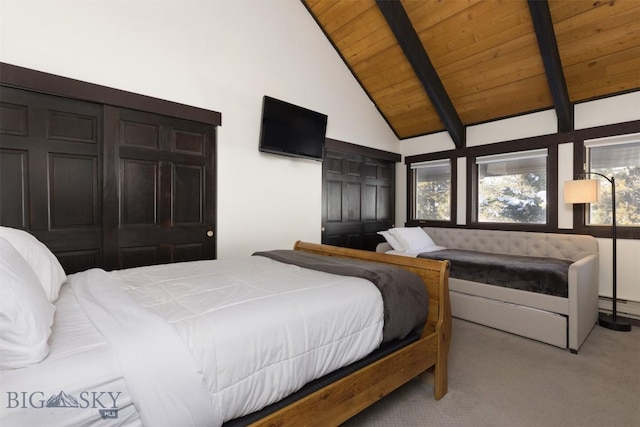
(543, 275)
(543, 245)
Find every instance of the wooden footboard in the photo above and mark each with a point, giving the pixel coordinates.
(339, 401)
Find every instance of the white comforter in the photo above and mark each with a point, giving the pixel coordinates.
(256, 330)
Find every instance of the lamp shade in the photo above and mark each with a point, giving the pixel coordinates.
(582, 191)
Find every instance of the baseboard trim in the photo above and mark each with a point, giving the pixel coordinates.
(624, 308)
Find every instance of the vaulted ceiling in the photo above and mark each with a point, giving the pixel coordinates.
(434, 65)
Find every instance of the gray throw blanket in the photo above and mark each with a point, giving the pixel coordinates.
(534, 274)
(404, 296)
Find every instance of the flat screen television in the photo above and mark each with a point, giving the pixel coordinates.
(291, 130)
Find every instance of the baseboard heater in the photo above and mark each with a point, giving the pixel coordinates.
(624, 308)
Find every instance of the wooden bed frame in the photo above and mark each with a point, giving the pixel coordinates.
(341, 400)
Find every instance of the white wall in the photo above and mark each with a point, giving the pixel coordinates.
(589, 114)
(602, 112)
(222, 56)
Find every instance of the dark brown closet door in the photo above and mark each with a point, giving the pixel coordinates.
(357, 199)
(160, 196)
(50, 173)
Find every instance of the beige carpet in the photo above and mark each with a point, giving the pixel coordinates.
(499, 379)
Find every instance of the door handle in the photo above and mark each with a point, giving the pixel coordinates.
(210, 233)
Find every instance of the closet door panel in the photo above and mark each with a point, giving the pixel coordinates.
(352, 202)
(140, 134)
(137, 256)
(369, 211)
(14, 188)
(66, 126)
(341, 199)
(138, 192)
(357, 197)
(188, 181)
(188, 142)
(13, 117)
(105, 186)
(165, 174)
(384, 202)
(357, 194)
(79, 260)
(188, 252)
(73, 191)
(333, 206)
(50, 158)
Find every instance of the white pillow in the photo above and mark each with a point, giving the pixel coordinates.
(44, 264)
(395, 243)
(26, 315)
(412, 238)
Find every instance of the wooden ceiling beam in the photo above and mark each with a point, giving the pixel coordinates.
(548, 45)
(408, 39)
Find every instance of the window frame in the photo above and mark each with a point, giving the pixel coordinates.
(580, 210)
(551, 141)
(417, 166)
(411, 190)
(551, 158)
(552, 187)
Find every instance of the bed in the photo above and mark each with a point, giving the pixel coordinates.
(542, 286)
(110, 362)
(113, 180)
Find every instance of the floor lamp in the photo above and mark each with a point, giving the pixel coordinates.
(588, 191)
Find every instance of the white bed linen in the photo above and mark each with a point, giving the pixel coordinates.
(260, 329)
(257, 329)
(79, 364)
(146, 346)
(414, 253)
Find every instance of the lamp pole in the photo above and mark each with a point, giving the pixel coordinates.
(612, 322)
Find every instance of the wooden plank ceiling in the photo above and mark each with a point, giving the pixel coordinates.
(431, 65)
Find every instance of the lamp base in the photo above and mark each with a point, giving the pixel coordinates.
(606, 321)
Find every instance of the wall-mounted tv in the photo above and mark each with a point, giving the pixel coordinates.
(291, 130)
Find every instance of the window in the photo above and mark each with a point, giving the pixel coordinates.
(617, 157)
(512, 187)
(432, 184)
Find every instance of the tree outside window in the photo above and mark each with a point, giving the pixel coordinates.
(432, 182)
(621, 160)
(512, 187)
